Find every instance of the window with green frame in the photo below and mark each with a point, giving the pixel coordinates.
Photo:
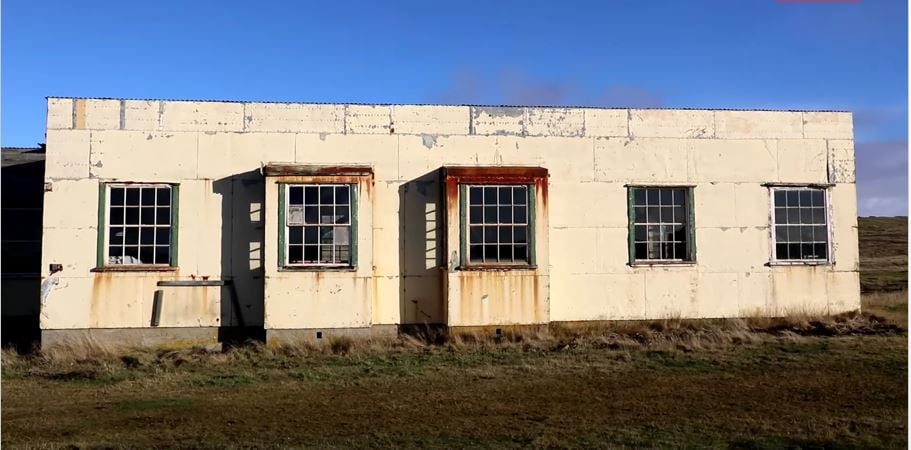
(318, 225)
(661, 224)
(497, 225)
(137, 224)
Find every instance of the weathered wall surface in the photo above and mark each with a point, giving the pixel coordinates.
(214, 150)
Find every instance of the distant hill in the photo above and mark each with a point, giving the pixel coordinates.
(883, 253)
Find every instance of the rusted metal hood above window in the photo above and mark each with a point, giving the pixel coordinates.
(309, 170)
(482, 174)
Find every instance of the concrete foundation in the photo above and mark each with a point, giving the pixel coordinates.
(131, 337)
(316, 335)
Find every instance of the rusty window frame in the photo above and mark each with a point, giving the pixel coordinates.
(285, 227)
(465, 226)
(775, 210)
(105, 214)
(688, 215)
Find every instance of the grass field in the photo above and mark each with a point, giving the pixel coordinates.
(799, 382)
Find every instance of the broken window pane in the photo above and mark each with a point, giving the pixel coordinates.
(660, 224)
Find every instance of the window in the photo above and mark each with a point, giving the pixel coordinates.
(319, 225)
(498, 225)
(140, 225)
(800, 229)
(661, 224)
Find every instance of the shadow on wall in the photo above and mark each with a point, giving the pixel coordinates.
(22, 188)
(421, 251)
(242, 237)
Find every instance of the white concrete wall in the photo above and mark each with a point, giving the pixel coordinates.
(214, 150)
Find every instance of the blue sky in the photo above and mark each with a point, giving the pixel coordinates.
(731, 54)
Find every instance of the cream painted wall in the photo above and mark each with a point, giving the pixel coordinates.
(214, 151)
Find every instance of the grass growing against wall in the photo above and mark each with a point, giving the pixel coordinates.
(755, 383)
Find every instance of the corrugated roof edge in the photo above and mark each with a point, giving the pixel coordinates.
(447, 104)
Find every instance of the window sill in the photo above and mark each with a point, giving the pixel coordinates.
(663, 263)
(798, 263)
(317, 269)
(495, 268)
(135, 268)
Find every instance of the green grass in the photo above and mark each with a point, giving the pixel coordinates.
(883, 253)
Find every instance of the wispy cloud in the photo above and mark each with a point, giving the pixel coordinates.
(882, 178)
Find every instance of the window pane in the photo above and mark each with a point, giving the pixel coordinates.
(819, 215)
(680, 251)
(490, 195)
(638, 196)
(806, 234)
(680, 233)
(506, 235)
(116, 236)
(295, 254)
(817, 197)
(147, 235)
(680, 197)
(640, 250)
(162, 236)
(162, 254)
(807, 251)
(651, 196)
(780, 198)
(490, 214)
(116, 196)
(793, 215)
(475, 195)
(295, 195)
(819, 234)
(520, 253)
(131, 236)
(476, 253)
(640, 234)
(163, 215)
(116, 216)
(639, 214)
(164, 196)
(132, 196)
(311, 235)
(781, 215)
(147, 255)
(490, 253)
(311, 253)
(326, 195)
(341, 235)
(325, 235)
(295, 235)
(342, 195)
(506, 253)
(781, 234)
(654, 214)
(147, 197)
(311, 215)
(132, 216)
(476, 235)
(520, 195)
(793, 198)
(131, 255)
(806, 215)
(794, 251)
(505, 214)
(781, 251)
(505, 196)
(490, 234)
(821, 251)
(327, 214)
(520, 234)
(147, 216)
(476, 215)
(667, 214)
(667, 197)
(115, 254)
(311, 195)
(804, 198)
(520, 214)
(341, 214)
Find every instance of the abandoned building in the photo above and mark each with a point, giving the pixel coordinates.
(173, 220)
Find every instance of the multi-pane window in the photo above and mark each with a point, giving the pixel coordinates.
(661, 224)
(800, 226)
(319, 219)
(139, 224)
(499, 225)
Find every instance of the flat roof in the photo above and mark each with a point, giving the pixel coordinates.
(447, 104)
